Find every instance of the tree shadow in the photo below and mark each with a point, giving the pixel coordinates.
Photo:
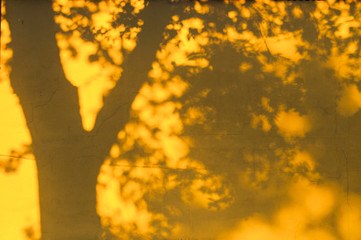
(230, 104)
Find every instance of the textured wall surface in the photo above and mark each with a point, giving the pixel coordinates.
(217, 120)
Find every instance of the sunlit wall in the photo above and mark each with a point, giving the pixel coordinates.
(245, 126)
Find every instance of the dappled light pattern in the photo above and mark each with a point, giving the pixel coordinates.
(15, 141)
(290, 124)
(350, 100)
(122, 204)
(93, 42)
(159, 158)
(179, 50)
(258, 172)
(152, 162)
(307, 214)
(19, 205)
(349, 218)
(246, 125)
(157, 151)
(6, 52)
